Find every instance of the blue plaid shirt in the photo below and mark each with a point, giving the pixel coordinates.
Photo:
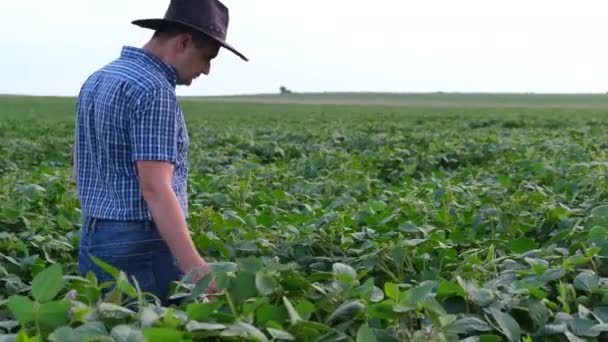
(128, 111)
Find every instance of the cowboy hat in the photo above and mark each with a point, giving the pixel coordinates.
(209, 17)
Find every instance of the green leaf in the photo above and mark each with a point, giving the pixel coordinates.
(535, 291)
(409, 227)
(265, 283)
(419, 293)
(22, 309)
(23, 337)
(126, 333)
(398, 255)
(91, 330)
(490, 338)
(344, 272)
(598, 235)
(504, 180)
(280, 335)
(467, 325)
(31, 191)
(269, 312)
(162, 334)
(522, 245)
(201, 286)
(366, 334)
(447, 289)
(508, 326)
(170, 320)
(586, 281)
(538, 312)
(201, 311)
(573, 338)
(433, 306)
(47, 284)
(305, 309)
(292, 281)
(598, 329)
(114, 311)
(244, 330)
(122, 283)
(294, 317)
(601, 311)
(376, 295)
(113, 271)
(223, 267)
(194, 325)
(583, 312)
(600, 211)
(265, 220)
(412, 242)
(54, 314)
(251, 264)
(553, 274)
(243, 287)
(481, 297)
(250, 306)
(148, 316)
(64, 334)
(382, 310)
(346, 311)
(582, 327)
(392, 291)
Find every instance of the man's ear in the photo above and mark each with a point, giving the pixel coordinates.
(182, 41)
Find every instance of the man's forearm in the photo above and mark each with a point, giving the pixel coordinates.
(171, 224)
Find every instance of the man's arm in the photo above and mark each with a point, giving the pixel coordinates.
(154, 138)
(155, 179)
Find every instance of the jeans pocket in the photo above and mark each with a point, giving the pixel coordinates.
(128, 249)
(135, 265)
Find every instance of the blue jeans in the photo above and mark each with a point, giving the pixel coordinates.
(134, 247)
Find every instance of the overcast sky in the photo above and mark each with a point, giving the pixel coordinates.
(50, 47)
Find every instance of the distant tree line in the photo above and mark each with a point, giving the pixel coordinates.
(284, 90)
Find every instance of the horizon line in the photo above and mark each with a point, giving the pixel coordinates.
(292, 93)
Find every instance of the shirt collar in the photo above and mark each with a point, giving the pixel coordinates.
(130, 52)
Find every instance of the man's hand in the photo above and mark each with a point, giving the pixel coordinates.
(199, 272)
(155, 179)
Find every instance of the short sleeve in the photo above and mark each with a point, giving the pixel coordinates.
(154, 127)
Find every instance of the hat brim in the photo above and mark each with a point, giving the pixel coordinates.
(155, 24)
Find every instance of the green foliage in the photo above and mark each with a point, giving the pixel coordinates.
(333, 224)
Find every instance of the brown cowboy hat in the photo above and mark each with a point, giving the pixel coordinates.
(209, 17)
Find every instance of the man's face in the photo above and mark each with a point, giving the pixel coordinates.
(193, 61)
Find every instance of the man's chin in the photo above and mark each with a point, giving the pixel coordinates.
(184, 82)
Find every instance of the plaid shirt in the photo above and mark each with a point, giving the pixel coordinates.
(127, 111)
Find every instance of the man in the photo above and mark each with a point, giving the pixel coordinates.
(131, 147)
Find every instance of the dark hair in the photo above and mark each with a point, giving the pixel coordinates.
(169, 31)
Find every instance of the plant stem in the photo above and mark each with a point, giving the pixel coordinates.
(388, 272)
(37, 310)
(593, 265)
(230, 303)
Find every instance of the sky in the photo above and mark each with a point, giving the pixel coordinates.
(543, 46)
